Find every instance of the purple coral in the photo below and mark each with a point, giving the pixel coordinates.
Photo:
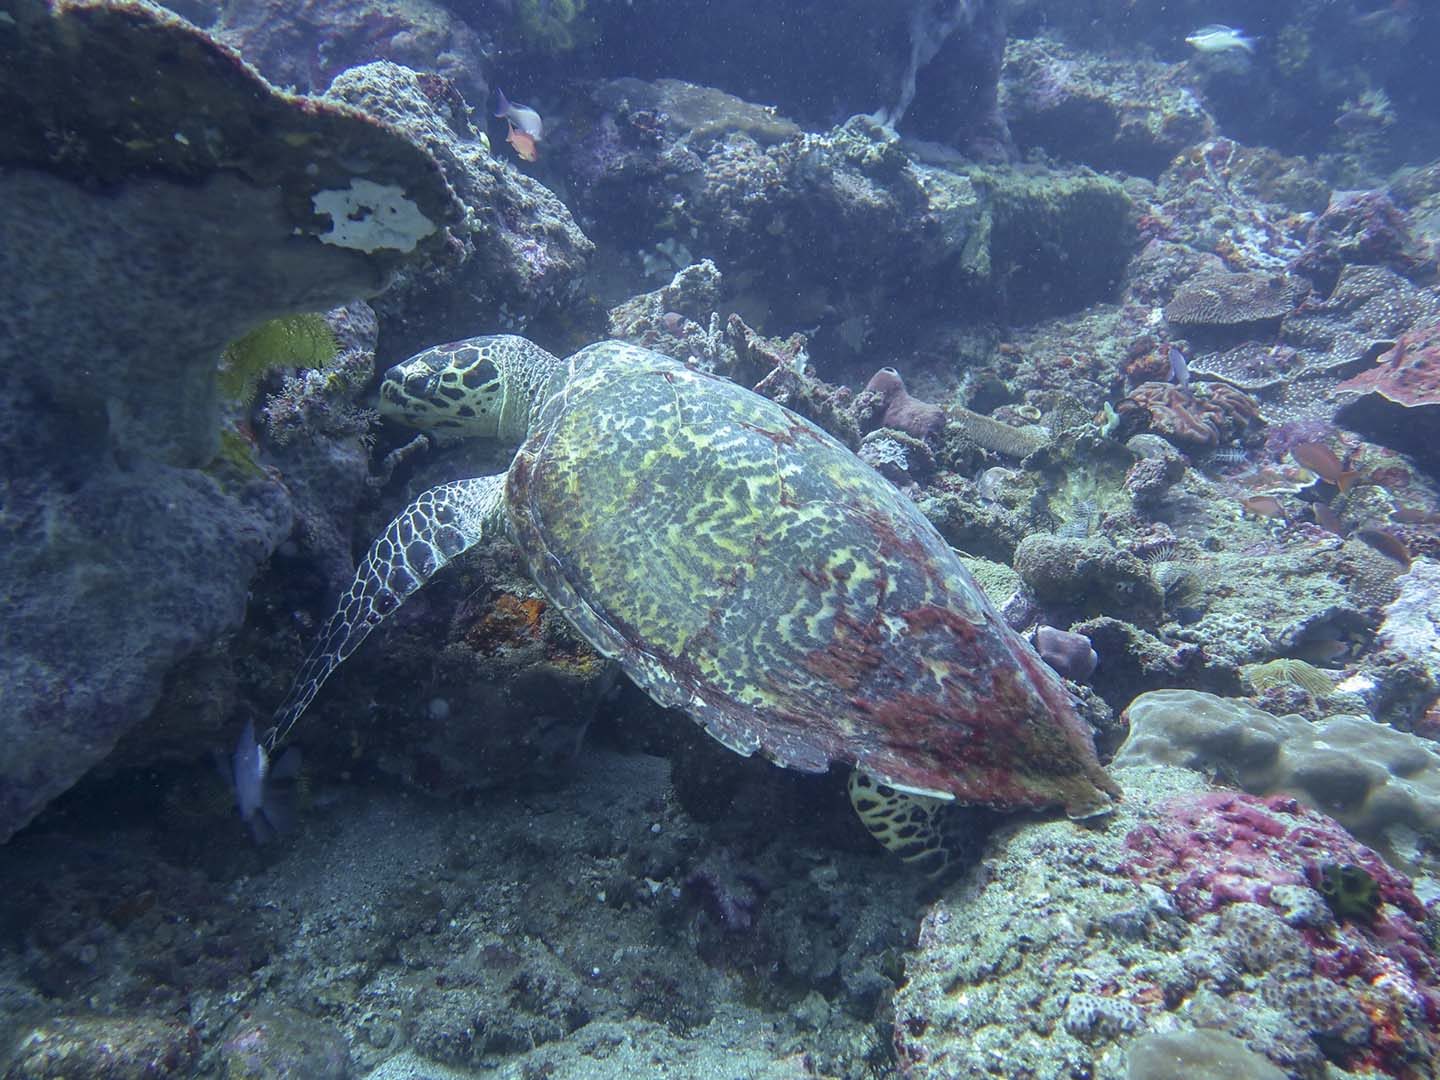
(731, 897)
(894, 407)
(1361, 228)
(1069, 654)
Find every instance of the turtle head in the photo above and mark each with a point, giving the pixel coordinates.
(483, 386)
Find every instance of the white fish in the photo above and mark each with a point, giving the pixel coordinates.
(526, 119)
(268, 810)
(1220, 38)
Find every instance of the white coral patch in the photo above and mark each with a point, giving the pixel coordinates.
(372, 217)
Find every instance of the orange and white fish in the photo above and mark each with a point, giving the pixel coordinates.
(520, 116)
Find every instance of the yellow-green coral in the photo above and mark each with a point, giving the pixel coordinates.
(1289, 670)
(1351, 891)
(235, 457)
(301, 341)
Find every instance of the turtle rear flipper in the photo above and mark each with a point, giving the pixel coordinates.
(909, 825)
(443, 522)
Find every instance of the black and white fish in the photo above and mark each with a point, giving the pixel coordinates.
(522, 117)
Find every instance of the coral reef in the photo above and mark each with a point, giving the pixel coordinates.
(885, 403)
(1133, 115)
(1200, 1054)
(930, 69)
(518, 251)
(1249, 206)
(1210, 415)
(1362, 317)
(1087, 577)
(1391, 400)
(1381, 784)
(494, 875)
(1068, 653)
(296, 341)
(122, 1047)
(1244, 302)
(1361, 228)
(306, 45)
(284, 1042)
(1405, 667)
(852, 198)
(1072, 948)
(417, 934)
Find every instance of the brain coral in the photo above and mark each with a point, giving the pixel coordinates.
(1381, 784)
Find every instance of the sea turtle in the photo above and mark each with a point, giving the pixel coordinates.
(740, 564)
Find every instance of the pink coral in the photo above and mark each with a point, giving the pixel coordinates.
(1409, 374)
(1216, 849)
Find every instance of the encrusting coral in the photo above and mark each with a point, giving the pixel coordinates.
(1381, 784)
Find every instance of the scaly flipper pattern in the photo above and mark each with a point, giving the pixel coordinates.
(443, 522)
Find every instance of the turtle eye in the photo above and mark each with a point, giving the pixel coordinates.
(420, 383)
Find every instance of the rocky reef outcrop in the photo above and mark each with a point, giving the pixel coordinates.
(139, 234)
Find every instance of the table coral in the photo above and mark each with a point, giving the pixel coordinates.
(1407, 374)
(1214, 301)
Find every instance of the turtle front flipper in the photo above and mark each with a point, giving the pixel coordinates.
(427, 534)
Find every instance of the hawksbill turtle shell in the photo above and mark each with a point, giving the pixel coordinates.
(744, 566)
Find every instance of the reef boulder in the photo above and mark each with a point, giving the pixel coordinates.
(1072, 946)
(139, 234)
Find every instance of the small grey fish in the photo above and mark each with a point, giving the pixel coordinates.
(1218, 37)
(1179, 369)
(524, 118)
(265, 800)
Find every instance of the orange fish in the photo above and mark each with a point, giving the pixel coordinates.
(524, 144)
(1328, 519)
(1387, 543)
(1321, 460)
